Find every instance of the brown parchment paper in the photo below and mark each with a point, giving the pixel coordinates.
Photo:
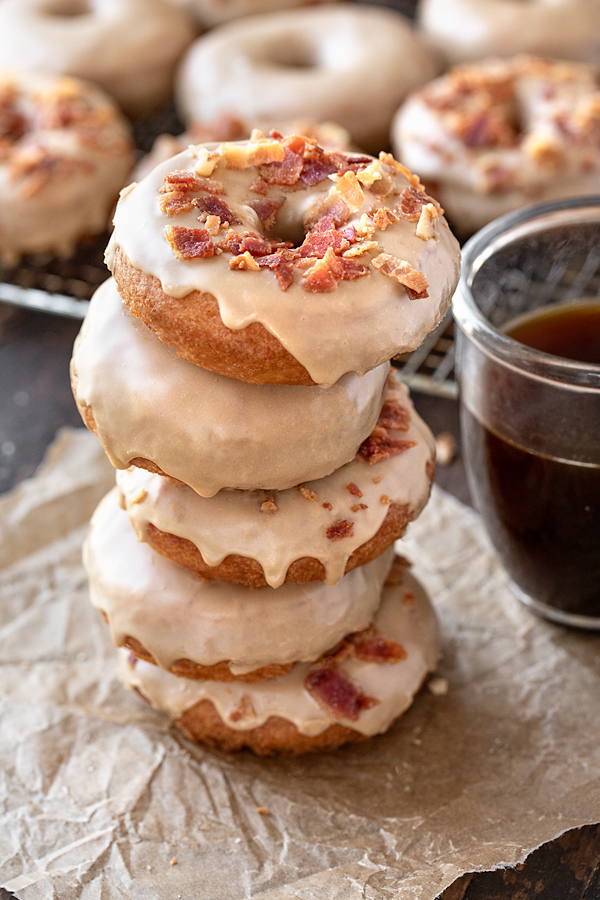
(101, 798)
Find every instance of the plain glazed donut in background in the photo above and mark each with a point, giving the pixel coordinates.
(349, 64)
(470, 30)
(494, 136)
(65, 152)
(208, 13)
(128, 47)
(306, 265)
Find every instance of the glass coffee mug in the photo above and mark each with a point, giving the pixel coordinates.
(528, 345)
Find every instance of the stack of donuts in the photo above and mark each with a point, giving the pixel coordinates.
(236, 371)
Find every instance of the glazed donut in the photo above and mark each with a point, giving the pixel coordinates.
(65, 151)
(379, 672)
(189, 626)
(348, 64)
(316, 531)
(208, 13)
(128, 47)
(367, 272)
(470, 30)
(501, 134)
(142, 402)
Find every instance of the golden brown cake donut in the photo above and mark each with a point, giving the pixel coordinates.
(65, 152)
(355, 692)
(308, 264)
(316, 531)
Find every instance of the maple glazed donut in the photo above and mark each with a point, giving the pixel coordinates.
(142, 403)
(307, 264)
(353, 693)
(212, 630)
(501, 134)
(318, 530)
(128, 47)
(470, 30)
(348, 64)
(65, 152)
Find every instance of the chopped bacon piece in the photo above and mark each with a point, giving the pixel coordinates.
(316, 170)
(282, 264)
(244, 261)
(307, 493)
(269, 507)
(253, 153)
(267, 210)
(356, 507)
(259, 186)
(286, 172)
(249, 241)
(353, 269)
(324, 275)
(333, 690)
(327, 505)
(486, 128)
(413, 280)
(332, 207)
(377, 649)
(244, 710)
(354, 489)
(411, 203)
(175, 202)
(383, 217)
(394, 415)
(339, 530)
(317, 243)
(379, 446)
(190, 243)
(415, 295)
(212, 206)
(186, 181)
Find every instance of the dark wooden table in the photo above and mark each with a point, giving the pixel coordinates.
(35, 400)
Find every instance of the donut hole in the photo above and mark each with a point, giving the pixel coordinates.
(294, 54)
(68, 9)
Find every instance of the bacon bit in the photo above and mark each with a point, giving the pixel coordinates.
(212, 206)
(396, 573)
(371, 173)
(372, 647)
(259, 153)
(173, 861)
(410, 176)
(394, 415)
(379, 446)
(331, 207)
(190, 243)
(282, 264)
(317, 243)
(485, 128)
(350, 191)
(244, 261)
(377, 480)
(244, 710)
(206, 162)
(268, 507)
(185, 181)
(237, 243)
(327, 505)
(213, 225)
(316, 170)
(411, 203)
(307, 493)
(354, 489)
(359, 248)
(267, 210)
(262, 810)
(384, 500)
(285, 172)
(414, 281)
(339, 530)
(175, 202)
(334, 691)
(425, 229)
(324, 275)
(356, 507)
(259, 186)
(409, 600)
(36, 165)
(383, 217)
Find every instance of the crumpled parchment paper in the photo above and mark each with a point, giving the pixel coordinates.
(101, 798)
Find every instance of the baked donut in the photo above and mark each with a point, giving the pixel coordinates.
(128, 47)
(208, 13)
(492, 137)
(65, 152)
(318, 530)
(471, 30)
(349, 695)
(350, 64)
(208, 629)
(309, 264)
(142, 402)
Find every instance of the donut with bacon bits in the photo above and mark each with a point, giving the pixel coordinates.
(316, 531)
(65, 152)
(352, 693)
(497, 135)
(274, 261)
(471, 30)
(129, 48)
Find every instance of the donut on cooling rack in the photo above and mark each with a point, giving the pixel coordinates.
(128, 47)
(348, 64)
(208, 13)
(65, 151)
(352, 693)
(497, 135)
(316, 531)
(470, 30)
(273, 261)
(211, 630)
